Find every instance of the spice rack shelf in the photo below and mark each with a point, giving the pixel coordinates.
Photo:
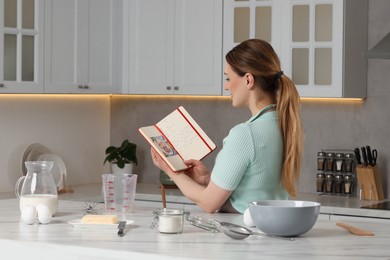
(336, 172)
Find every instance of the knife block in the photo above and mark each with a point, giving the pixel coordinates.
(370, 182)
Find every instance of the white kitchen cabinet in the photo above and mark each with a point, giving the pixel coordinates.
(320, 43)
(323, 47)
(173, 47)
(21, 46)
(82, 48)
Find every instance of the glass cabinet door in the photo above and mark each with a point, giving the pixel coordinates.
(21, 45)
(313, 47)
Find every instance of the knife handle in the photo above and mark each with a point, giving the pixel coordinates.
(369, 155)
(364, 155)
(357, 155)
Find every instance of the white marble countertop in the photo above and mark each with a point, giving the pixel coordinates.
(60, 240)
(335, 205)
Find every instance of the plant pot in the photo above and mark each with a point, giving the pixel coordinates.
(127, 169)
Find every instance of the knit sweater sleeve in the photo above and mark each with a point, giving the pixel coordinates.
(234, 158)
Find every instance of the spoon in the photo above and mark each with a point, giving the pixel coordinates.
(240, 232)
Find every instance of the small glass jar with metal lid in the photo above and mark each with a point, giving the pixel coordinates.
(348, 183)
(169, 221)
(338, 183)
(320, 182)
(349, 159)
(339, 161)
(321, 157)
(328, 183)
(329, 161)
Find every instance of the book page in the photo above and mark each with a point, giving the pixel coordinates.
(183, 137)
(163, 147)
(200, 131)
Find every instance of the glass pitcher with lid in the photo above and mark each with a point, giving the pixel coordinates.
(38, 186)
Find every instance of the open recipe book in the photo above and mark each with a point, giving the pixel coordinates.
(177, 138)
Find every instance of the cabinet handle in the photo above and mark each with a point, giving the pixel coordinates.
(169, 87)
(83, 86)
(2, 85)
(80, 86)
(86, 87)
(175, 88)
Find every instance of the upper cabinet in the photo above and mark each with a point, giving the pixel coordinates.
(177, 46)
(324, 47)
(82, 46)
(173, 47)
(321, 43)
(21, 46)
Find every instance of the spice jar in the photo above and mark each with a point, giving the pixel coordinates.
(349, 158)
(328, 182)
(169, 220)
(321, 161)
(320, 182)
(348, 181)
(339, 161)
(338, 182)
(329, 161)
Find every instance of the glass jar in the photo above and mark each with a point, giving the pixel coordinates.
(329, 161)
(170, 221)
(321, 161)
(320, 182)
(348, 182)
(339, 161)
(338, 183)
(328, 183)
(349, 158)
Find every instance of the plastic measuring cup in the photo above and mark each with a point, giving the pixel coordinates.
(119, 191)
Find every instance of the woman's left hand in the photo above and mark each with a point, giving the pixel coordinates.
(158, 161)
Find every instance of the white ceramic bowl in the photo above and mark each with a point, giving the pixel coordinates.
(286, 218)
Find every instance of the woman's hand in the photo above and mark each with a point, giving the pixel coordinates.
(159, 162)
(198, 172)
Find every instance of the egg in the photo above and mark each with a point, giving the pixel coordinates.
(44, 214)
(29, 214)
(248, 219)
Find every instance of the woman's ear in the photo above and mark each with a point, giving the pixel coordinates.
(249, 80)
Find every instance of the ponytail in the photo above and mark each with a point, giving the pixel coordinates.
(288, 106)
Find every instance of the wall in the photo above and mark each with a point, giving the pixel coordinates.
(77, 128)
(327, 124)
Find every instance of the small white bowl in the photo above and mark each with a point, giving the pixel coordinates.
(286, 218)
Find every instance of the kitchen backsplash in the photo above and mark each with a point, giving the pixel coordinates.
(76, 128)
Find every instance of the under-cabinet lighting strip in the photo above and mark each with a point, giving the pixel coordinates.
(7, 95)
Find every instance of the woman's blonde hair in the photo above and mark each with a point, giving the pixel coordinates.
(259, 58)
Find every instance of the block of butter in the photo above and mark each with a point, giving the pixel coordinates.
(100, 219)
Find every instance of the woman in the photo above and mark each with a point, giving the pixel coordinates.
(260, 158)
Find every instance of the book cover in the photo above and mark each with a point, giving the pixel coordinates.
(178, 137)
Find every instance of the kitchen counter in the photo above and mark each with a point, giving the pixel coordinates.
(60, 240)
(332, 205)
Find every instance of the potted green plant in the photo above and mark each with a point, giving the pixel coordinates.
(122, 158)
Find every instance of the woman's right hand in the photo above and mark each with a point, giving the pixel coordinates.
(198, 172)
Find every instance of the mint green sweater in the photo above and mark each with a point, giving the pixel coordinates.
(250, 161)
